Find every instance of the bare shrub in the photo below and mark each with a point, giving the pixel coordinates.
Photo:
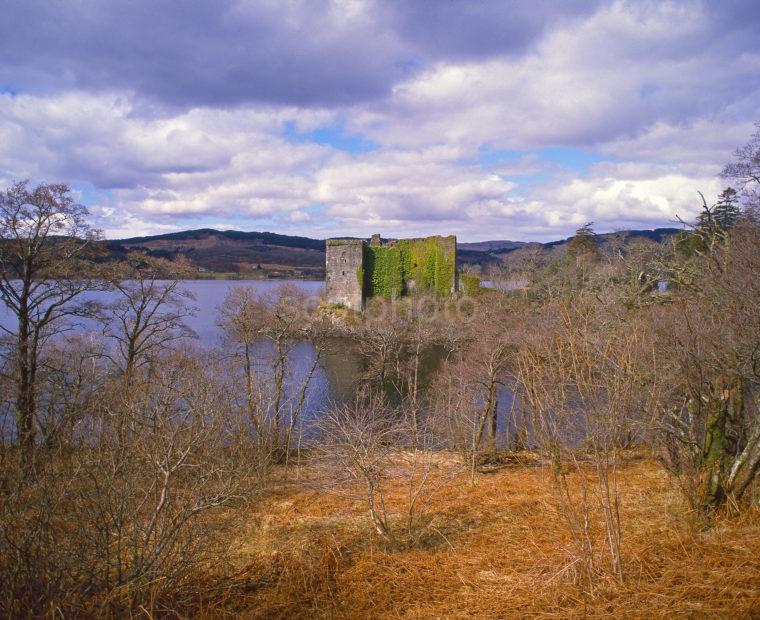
(71, 374)
(397, 340)
(367, 448)
(466, 391)
(581, 372)
(116, 518)
(708, 415)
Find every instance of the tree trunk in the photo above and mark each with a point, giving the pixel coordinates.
(746, 466)
(381, 525)
(723, 472)
(494, 426)
(25, 398)
(710, 492)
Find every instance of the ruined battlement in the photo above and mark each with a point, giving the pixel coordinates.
(357, 270)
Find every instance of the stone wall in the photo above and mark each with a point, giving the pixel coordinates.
(344, 273)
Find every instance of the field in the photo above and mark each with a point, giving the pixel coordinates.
(495, 549)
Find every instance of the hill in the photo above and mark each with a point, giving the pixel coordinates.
(491, 246)
(271, 255)
(510, 253)
(252, 254)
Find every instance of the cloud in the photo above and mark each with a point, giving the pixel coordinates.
(486, 119)
(216, 52)
(626, 197)
(200, 162)
(459, 30)
(624, 69)
(228, 52)
(392, 200)
(402, 188)
(705, 143)
(121, 225)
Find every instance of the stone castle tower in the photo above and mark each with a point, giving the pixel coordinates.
(356, 270)
(344, 264)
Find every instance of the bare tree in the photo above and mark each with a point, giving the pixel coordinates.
(168, 451)
(148, 312)
(582, 372)
(517, 268)
(265, 329)
(243, 317)
(357, 442)
(466, 398)
(287, 325)
(115, 517)
(71, 375)
(378, 339)
(399, 342)
(709, 414)
(44, 238)
(746, 165)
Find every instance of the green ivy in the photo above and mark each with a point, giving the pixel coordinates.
(391, 270)
(470, 284)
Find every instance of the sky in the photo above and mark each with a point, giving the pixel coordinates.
(485, 119)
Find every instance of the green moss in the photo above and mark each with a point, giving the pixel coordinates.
(427, 264)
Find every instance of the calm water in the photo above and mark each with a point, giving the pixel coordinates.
(209, 295)
(333, 381)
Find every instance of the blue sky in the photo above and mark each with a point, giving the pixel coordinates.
(489, 120)
(334, 136)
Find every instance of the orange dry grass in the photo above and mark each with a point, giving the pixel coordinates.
(499, 549)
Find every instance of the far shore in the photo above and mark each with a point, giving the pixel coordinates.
(234, 275)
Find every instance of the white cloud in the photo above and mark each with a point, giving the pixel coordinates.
(203, 161)
(405, 188)
(646, 85)
(627, 68)
(625, 198)
(120, 224)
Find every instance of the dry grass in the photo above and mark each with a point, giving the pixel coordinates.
(496, 550)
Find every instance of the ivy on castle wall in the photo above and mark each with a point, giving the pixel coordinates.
(469, 284)
(360, 276)
(423, 264)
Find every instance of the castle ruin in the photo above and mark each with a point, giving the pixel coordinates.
(357, 270)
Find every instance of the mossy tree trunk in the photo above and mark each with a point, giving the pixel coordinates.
(729, 456)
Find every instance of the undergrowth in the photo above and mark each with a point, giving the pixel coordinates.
(496, 549)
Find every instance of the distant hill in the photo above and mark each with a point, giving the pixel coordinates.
(261, 254)
(512, 258)
(486, 254)
(491, 246)
(267, 255)
(658, 235)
